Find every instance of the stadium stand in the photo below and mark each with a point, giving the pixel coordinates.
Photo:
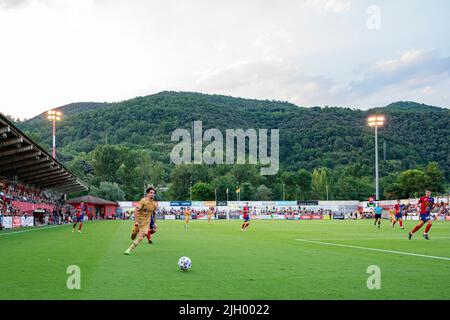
(31, 181)
(23, 160)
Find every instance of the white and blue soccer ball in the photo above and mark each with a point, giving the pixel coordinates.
(184, 263)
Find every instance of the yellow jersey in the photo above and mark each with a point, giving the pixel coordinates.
(145, 209)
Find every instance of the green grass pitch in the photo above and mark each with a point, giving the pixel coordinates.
(266, 262)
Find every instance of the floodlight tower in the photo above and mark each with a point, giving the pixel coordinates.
(376, 121)
(54, 115)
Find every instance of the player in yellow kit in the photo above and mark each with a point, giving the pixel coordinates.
(142, 216)
(392, 215)
(210, 213)
(187, 216)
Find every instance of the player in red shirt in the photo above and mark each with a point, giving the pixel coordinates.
(426, 204)
(398, 215)
(80, 217)
(246, 217)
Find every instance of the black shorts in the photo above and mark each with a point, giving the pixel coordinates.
(377, 216)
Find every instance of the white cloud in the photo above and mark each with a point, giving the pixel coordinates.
(413, 69)
(56, 52)
(413, 75)
(335, 6)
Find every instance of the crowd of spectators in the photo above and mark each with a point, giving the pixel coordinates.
(441, 209)
(179, 212)
(11, 193)
(19, 192)
(412, 210)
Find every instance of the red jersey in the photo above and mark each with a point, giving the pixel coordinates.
(426, 204)
(397, 208)
(245, 212)
(81, 211)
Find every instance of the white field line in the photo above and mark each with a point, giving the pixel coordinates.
(374, 249)
(29, 230)
(358, 239)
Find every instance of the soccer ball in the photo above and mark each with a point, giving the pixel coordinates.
(184, 263)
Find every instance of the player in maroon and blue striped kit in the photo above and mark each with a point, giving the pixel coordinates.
(426, 204)
(398, 215)
(80, 217)
(246, 217)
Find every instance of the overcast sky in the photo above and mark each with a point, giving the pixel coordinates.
(311, 52)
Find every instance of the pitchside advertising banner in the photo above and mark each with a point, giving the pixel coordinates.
(180, 203)
(26, 221)
(7, 222)
(286, 203)
(339, 216)
(308, 203)
(16, 222)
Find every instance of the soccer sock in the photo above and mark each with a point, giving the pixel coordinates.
(401, 223)
(74, 225)
(428, 228)
(81, 225)
(379, 222)
(417, 227)
(243, 226)
(393, 222)
(136, 242)
(148, 235)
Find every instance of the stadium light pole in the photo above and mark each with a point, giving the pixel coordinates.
(190, 188)
(54, 115)
(283, 191)
(376, 121)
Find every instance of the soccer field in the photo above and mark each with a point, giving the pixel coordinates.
(273, 260)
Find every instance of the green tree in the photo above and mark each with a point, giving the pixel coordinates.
(412, 183)
(434, 178)
(354, 188)
(108, 191)
(221, 184)
(304, 183)
(290, 180)
(389, 186)
(263, 193)
(319, 183)
(203, 191)
(107, 159)
(179, 188)
(248, 191)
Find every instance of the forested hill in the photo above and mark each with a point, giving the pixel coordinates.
(309, 137)
(330, 137)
